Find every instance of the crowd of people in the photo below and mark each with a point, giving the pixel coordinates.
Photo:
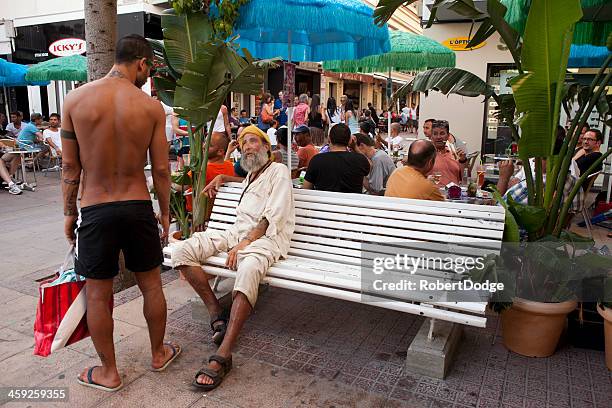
(38, 138)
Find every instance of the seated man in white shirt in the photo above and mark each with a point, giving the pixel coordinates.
(51, 135)
(396, 141)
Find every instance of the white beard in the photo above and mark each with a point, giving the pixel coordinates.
(254, 161)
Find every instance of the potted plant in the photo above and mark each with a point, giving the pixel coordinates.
(540, 49)
(199, 69)
(543, 281)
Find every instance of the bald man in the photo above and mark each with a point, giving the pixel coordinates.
(410, 181)
(216, 157)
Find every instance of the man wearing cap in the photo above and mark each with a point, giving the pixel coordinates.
(265, 220)
(303, 140)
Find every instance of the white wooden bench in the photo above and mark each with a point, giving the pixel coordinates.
(325, 257)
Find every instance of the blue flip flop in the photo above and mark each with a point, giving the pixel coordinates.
(176, 351)
(92, 384)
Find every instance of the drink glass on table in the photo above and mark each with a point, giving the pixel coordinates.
(480, 171)
(436, 177)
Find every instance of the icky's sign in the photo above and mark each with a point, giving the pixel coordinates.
(459, 43)
(67, 46)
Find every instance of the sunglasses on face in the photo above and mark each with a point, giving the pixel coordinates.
(588, 139)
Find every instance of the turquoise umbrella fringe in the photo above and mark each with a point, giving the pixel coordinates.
(409, 52)
(72, 68)
(348, 16)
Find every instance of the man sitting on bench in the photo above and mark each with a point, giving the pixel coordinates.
(265, 220)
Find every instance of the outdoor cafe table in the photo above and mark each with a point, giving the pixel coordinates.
(23, 153)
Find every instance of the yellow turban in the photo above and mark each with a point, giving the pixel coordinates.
(254, 130)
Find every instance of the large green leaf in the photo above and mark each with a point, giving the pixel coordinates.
(165, 89)
(529, 217)
(451, 81)
(385, 9)
(496, 22)
(217, 71)
(511, 228)
(544, 58)
(182, 36)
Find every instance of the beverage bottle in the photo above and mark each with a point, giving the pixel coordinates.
(464, 180)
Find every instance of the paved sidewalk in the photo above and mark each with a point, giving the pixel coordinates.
(296, 350)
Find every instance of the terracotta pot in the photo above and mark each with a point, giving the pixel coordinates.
(533, 329)
(175, 236)
(606, 313)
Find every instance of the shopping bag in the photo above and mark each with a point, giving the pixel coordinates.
(60, 315)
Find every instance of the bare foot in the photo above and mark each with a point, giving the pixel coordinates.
(101, 376)
(213, 365)
(160, 359)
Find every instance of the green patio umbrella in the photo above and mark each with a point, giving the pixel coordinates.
(593, 29)
(409, 52)
(72, 68)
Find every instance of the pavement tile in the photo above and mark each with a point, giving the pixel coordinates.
(207, 401)
(322, 393)
(259, 384)
(148, 391)
(19, 312)
(411, 399)
(13, 342)
(438, 403)
(578, 403)
(120, 332)
(7, 295)
(25, 369)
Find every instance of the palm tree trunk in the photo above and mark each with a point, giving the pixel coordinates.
(101, 36)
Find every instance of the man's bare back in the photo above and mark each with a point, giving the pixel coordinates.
(115, 124)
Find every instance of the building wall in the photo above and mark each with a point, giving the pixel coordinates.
(464, 114)
(31, 12)
(406, 18)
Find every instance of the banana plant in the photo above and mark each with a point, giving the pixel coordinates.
(198, 73)
(532, 112)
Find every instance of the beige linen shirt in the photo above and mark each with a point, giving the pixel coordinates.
(270, 196)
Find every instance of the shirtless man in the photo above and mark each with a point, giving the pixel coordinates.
(108, 126)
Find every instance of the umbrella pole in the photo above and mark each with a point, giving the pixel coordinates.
(290, 112)
(390, 146)
(6, 102)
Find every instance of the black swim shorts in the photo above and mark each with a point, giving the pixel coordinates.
(105, 229)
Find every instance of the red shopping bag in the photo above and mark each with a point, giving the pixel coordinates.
(60, 315)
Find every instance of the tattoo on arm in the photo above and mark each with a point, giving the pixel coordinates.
(259, 230)
(67, 134)
(71, 191)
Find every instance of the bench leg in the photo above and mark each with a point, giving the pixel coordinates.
(432, 351)
(430, 335)
(216, 283)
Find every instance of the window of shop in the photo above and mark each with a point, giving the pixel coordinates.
(496, 137)
(352, 89)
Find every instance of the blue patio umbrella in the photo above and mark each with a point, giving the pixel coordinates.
(310, 30)
(12, 74)
(587, 56)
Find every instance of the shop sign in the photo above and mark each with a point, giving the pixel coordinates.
(459, 43)
(67, 46)
(312, 66)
